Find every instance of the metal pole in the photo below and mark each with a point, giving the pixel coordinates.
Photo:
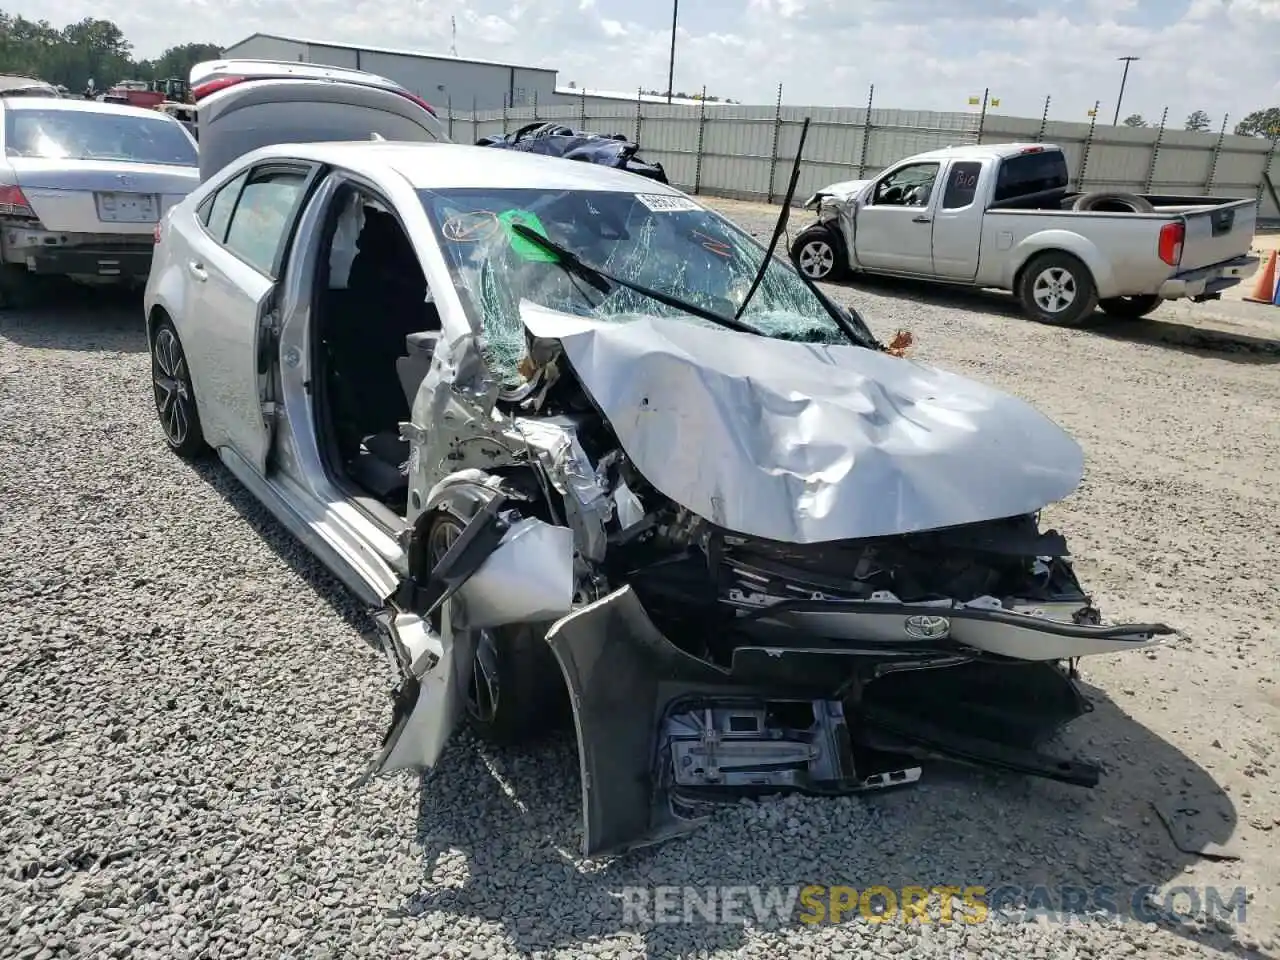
(773, 158)
(1044, 121)
(866, 131)
(1088, 141)
(639, 94)
(1217, 152)
(504, 114)
(982, 117)
(702, 126)
(671, 68)
(1123, 77)
(475, 123)
(450, 107)
(582, 108)
(535, 103)
(1155, 152)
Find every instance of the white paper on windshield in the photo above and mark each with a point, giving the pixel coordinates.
(665, 203)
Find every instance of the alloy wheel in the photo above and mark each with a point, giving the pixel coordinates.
(1054, 289)
(816, 259)
(172, 385)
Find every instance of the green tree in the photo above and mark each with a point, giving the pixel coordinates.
(87, 49)
(1198, 121)
(1260, 123)
(1134, 120)
(178, 61)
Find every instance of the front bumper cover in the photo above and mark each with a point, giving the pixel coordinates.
(663, 736)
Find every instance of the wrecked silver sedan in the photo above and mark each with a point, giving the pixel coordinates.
(563, 431)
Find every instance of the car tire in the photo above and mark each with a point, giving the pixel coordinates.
(1057, 289)
(1104, 201)
(517, 692)
(819, 254)
(175, 398)
(1129, 308)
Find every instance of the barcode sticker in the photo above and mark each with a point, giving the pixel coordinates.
(666, 203)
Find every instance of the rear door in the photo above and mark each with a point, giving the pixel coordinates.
(244, 114)
(233, 267)
(957, 221)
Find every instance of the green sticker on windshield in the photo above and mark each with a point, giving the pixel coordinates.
(526, 249)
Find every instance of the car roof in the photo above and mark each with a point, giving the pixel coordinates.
(988, 151)
(446, 165)
(83, 106)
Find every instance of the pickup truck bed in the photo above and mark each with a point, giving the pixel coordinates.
(1001, 216)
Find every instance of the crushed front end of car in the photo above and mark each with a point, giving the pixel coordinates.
(813, 594)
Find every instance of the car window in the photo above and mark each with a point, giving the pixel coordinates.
(215, 212)
(262, 216)
(54, 134)
(909, 186)
(962, 184)
(1031, 173)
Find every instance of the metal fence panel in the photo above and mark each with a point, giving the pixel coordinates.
(746, 151)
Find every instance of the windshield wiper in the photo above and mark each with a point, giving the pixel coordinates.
(859, 337)
(600, 279)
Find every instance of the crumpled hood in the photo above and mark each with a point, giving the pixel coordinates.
(840, 191)
(807, 443)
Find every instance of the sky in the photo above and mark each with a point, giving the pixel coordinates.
(1220, 56)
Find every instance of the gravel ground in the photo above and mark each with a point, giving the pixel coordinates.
(185, 701)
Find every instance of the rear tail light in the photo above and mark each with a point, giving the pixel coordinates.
(201, 90)
(157, 232)
(419, 101)
(14, 204)
(1171, 237)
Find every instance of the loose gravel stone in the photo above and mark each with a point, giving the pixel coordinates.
(185, 700)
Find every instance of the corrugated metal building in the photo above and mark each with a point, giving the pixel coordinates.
(441, 80)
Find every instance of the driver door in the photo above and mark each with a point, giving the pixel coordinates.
(894, 226)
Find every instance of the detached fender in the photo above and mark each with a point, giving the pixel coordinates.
(1066, 241)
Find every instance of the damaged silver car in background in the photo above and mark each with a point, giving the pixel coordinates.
(567, 429)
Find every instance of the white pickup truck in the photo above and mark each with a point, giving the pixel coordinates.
(1001, 216)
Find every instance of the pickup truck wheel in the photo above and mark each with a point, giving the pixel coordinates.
(1129, 308)
(818, 254)
(516, 689)
(1057, 289)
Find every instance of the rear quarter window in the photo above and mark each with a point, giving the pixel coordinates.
(1031, 173)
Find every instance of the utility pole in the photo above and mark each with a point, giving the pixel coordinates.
(671, 69)
(1123, 77)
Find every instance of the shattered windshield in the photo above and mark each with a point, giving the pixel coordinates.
(667, 243)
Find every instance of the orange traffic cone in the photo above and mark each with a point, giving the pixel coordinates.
(1264, 287)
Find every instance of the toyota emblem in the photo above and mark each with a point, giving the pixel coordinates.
(923, 627)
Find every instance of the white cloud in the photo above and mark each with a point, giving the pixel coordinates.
(1216, 55)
